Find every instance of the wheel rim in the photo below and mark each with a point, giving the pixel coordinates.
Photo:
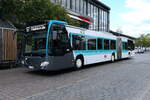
(78, 63)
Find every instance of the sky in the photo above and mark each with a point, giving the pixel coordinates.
(130, 16)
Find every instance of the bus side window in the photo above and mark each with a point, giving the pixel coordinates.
(99, 44)
(78, 42)
(123, 45)
(112, 44)
(106, 45)
(91, 44)
(130, 45)
(126, 46)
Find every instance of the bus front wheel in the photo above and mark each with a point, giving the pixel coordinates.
(78, 63)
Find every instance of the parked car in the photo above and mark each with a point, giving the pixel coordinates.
(140, 50)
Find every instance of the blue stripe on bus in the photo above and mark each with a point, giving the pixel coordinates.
(48, 33)
(93, 52)
(59, 22)
(96, 52)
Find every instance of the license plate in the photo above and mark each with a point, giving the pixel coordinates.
(31, 67)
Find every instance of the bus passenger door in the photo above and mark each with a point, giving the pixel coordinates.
(60, 51)
(119, 48)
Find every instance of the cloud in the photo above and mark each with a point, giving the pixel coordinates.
(136, 30)
(137, 19)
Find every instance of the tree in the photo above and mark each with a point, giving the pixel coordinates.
(119, 30)
(23, 12)
(9, 9)
(143, 40)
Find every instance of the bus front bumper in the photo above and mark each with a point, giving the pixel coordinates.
(50, 63)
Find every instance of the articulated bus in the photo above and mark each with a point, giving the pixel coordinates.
(56, 45)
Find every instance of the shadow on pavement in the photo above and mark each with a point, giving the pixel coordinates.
(7, 67)
(50, 73)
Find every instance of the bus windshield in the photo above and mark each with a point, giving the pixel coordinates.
(36, 43)
(58, 44)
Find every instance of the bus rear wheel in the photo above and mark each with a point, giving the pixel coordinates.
(78, 63)
(112, 58)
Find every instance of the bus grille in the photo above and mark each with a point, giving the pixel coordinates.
(34, 62)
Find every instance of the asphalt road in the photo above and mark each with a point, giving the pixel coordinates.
(123, 80)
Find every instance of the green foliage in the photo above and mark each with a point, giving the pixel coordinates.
(9, 9)
(143, 40)
(22, 12)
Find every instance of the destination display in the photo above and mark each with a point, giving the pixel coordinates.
(36, 28)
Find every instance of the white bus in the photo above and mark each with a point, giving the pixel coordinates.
(56, 45)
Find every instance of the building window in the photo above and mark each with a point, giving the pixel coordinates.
(92, 15)
(77, 5)
(73, 5)
(53, 1)
(63, 3)
(112, 44)
(103, 20)
(68, 4)
(89, 9)
(106, 21)
(100, 20)
(106, 44)
(84, 4)
(81, 7)
(91, 44)
(78, 42)
(96, 18)
(99, 44)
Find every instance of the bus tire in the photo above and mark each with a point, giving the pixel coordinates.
(79, 63)
(112, 58)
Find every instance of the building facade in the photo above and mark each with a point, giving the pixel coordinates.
(92, 12)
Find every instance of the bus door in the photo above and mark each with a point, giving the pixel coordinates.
(59, 46)
(119, 48)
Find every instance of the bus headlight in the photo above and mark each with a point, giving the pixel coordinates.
(23, 62)
(45, 63)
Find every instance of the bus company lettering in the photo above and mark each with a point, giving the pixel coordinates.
(35, 28)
